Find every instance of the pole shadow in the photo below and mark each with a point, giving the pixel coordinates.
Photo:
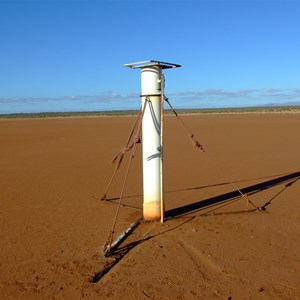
(250, 190)
(111, 199)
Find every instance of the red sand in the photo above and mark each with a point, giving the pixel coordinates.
(53, 225)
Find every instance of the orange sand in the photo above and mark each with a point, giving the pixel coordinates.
(213, 245)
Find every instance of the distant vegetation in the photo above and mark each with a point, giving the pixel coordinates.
(256, 109)
(70, 114)
(261, 109)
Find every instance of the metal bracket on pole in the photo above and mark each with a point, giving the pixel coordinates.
(151, 63)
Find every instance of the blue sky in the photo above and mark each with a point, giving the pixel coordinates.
(68, 55)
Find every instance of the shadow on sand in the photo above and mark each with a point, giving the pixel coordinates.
(119, 252)
(250, 190)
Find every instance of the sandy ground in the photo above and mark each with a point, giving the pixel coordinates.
(213, 245)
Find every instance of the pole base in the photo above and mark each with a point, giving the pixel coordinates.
(151, 211)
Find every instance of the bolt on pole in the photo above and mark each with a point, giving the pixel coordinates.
(152, 95)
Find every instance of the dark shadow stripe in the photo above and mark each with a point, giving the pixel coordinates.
(229, 196)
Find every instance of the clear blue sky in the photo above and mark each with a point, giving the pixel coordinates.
(68, 55)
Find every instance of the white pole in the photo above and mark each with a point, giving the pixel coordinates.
(152, 93)
(152, 151)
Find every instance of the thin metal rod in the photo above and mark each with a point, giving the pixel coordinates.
(128, 168)
(133, 150)
(162, 204)
(209, 157)
(121, 238)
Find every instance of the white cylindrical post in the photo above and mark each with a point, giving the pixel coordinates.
(151, 78)
(153, 101)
